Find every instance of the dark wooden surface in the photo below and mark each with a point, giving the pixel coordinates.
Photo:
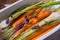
(10, 1)
(2, 2)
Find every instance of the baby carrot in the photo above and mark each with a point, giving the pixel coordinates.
(35, 13)
(45, 28)
(45, 14)
(22, 19)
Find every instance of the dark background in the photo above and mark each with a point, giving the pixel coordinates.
(55, 36)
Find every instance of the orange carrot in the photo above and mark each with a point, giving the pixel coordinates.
(41, 31)
(35, 13)
(30, 11)
(41, 16)
(21, 19)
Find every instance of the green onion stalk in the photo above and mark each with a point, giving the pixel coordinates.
(52, 17)
(8, 32)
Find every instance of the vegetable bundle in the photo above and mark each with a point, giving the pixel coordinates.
(31, 20)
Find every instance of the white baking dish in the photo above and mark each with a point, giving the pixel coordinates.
(9, 9)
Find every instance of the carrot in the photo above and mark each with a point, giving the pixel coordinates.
(35, 20)
(31, 22)
(35, 13)
(45, 14)
(45, 28)
(40, 16)
(22, 19)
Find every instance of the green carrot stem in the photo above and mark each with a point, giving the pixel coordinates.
(48, 4)
(51, 4)
(24, 10)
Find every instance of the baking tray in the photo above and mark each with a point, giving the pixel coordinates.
(10, 8)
